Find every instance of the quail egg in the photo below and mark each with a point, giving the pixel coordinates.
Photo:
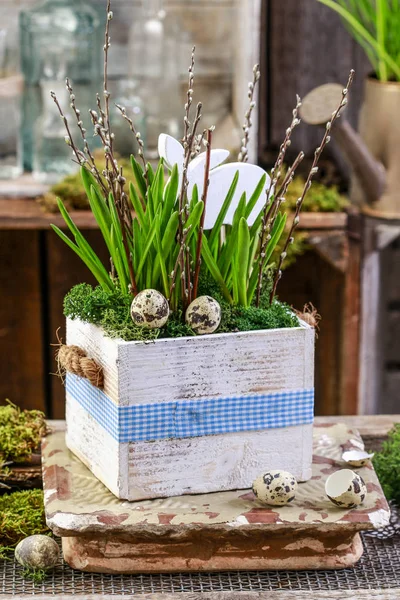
(346, 489)
(203, 315)
(356, 458)
(149, 309)
(37, 552)
(275, 487)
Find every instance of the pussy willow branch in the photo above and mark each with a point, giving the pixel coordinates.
(106, 47)
(314, 169)
(178, 260)
(90, 162)
(189, 100)
(269, 207)
(138, 138)
(271, 218)
(243, 154)
(201, 227)
(184, 211)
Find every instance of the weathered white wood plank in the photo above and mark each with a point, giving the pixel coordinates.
(216, 462)
(164, 468)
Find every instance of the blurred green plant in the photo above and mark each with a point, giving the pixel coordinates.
(387, 465)
(375, 25)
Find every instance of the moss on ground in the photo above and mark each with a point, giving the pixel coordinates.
(20, 432)
(387, 465)
(112, 313)
(21, 515)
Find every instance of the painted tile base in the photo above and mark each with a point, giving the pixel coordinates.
(219, 531)
(204, 552)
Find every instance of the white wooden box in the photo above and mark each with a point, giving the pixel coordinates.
(247, 366)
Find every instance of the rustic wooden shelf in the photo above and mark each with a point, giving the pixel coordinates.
(26, 213)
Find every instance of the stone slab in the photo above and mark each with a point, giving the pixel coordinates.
(218, 531)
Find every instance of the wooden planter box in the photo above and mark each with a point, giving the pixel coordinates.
(193, 415)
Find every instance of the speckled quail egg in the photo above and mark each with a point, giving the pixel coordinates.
(37, 552)
(356, 458)
(203, 315)
(275, 487)
(346, 489)
(149, 309)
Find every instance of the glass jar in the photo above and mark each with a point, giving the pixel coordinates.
(68, 31)
(154, 60)
(11, 85)
(52, 156)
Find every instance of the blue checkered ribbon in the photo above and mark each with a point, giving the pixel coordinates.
(192, 418)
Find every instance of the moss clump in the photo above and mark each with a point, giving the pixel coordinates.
(21, 515)
(20, 432)
(112, 313)
(387, 465)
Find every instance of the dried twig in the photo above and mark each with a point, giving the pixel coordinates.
(270, 211)
(243, 154)
(314, 169)
(201, 227)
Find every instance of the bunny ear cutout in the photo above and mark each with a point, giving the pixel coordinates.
(171, 151)
(220, 181)
(217, 157)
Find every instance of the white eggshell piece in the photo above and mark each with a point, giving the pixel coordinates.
(346, 489)
(357, 458)
(276, 488)
(149, 309)
(203, 315)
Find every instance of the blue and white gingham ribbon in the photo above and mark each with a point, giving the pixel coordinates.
(192, 418)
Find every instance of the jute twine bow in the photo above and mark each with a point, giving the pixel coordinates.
(310, 315)
(74, 360)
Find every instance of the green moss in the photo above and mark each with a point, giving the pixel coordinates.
(112, 313)
(387, 465)
(320, 198)
(21, 515)
(20, 432)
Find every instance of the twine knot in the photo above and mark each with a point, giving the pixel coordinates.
(74, 360)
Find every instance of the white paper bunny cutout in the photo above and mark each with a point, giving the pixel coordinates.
(221, 178)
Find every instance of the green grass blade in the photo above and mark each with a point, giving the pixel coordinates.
(139, 178)
(104, 280)
(157, 187)
(255, 196)
(81, 242)
(117, 260)
(170, 195)
(216, 230)
(243, 260)
(213, 268)
(146, 246)
(137, 205)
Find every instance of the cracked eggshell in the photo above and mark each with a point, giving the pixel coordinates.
(149, 309)
(276, 488)
(37, 552)
(346, 489)
(357, 458)
(203, 315)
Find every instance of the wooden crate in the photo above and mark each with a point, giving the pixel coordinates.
(193, 415)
